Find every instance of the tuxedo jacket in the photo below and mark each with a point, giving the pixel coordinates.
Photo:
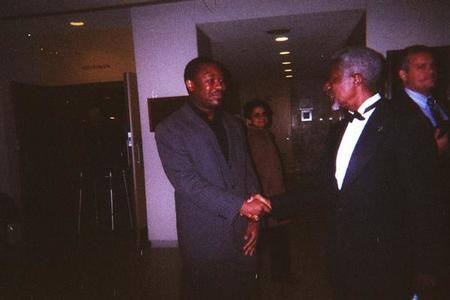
(209, 190)
(381, 221)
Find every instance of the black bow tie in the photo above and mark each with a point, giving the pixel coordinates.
(357, 115)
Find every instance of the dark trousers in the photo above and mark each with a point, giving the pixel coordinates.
(369, 279)
(219, 281)
(279, 252)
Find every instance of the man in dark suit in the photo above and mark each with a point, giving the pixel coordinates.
(418, 72)
(204, 155)
(377, 184)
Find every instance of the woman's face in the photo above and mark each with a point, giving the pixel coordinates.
(258, 118)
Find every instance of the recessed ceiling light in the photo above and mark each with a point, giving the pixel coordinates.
(289, 76)
(288, 70)
(77, 23)
(112, 118)
(28, 34)
(286, 63)
(281, 38)
(285, 52)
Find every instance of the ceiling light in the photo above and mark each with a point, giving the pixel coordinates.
(112, 118)
(289, 76)
(288, 70)
(284, 52)
(28, 34)
(281, 38)
(77, 23)
(286, 63)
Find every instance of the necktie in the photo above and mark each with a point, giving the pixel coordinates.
(435, 112)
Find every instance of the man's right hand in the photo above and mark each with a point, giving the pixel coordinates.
(255, 207)
(441, 141)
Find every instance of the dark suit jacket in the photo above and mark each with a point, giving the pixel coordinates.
(403, 100)
(380, 222)
(209, 191)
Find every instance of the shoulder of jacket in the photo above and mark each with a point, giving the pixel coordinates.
(176, 119)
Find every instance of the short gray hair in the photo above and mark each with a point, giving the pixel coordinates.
(410, 51)
(362, 60)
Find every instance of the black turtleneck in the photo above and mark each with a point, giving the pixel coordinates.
(216, 125)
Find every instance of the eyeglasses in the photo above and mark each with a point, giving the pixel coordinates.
(259, 115)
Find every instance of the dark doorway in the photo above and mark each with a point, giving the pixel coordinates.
(73, 141)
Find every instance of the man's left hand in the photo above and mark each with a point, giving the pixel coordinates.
(251, 236)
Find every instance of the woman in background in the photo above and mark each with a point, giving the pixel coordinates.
(267, 162)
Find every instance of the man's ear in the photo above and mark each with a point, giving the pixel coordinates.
(403, 75)
(190, 85)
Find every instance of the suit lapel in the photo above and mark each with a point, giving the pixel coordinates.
(366, 146)
(205, 132)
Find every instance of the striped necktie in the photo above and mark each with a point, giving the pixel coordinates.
(435, 111)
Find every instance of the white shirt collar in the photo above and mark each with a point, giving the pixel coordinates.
(371, 100)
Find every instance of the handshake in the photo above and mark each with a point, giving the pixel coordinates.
(255, 207)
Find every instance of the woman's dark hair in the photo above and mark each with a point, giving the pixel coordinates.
(251, 105)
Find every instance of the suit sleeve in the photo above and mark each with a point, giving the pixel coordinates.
(417, 164)
(252, 182)
(182, 174)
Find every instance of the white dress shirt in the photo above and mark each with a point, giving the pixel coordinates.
(350, 138)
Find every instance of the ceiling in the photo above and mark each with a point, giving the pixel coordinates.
(244, 46)
(12, 9)
(249, 52)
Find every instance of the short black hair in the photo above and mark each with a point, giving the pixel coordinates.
(193, 67)
(409, 51)
(251, 105)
